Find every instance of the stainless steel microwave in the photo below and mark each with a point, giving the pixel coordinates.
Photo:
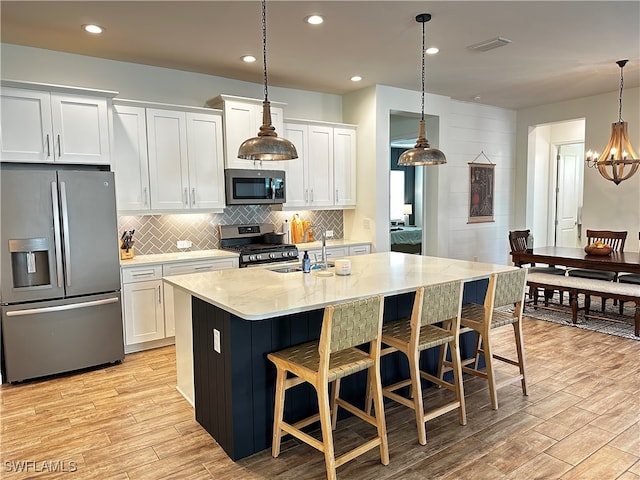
(254, 187)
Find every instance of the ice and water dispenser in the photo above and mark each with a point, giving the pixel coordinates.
(30, 262)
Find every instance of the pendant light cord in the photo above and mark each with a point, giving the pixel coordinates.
(620, 98)
(423, 45)
(264, 47)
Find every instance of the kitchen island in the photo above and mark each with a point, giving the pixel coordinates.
(238, 316)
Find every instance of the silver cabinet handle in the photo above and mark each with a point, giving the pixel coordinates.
(337, 195)
(193, 197)
(48, 147)
(143, 274)
(65, 232)
(207, 267)
(59, 147)
(306, 195)
(146, 197)
(56, 233)
(62, 308)
(312, 195)
(186, 196)
(159, 297)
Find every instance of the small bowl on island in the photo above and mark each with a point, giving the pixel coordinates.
(597, 248)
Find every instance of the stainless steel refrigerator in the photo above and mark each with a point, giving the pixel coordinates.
(60, 279)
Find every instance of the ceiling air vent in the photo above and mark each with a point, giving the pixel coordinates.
(489, 44)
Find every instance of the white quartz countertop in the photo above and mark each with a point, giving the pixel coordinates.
(178, 257)
(259, 293)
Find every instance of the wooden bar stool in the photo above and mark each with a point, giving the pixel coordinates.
(507, 288)
(434, 304)
(334, 356)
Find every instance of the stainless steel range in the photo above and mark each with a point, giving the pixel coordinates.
(257, 244)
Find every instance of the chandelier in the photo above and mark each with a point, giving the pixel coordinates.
(618, 161)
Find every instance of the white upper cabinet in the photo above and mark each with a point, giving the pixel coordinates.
(130, 158)
(242, 120)
(323, 177)
(205, 152)
(344, 167)
(168, 159)
(51, 126)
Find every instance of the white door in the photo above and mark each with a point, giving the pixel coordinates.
(143, 311)
(344, 144)
(320, 162)
(569, 195)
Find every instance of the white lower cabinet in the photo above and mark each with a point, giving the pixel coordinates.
(143, 304)
(148, 303)
(338, 252)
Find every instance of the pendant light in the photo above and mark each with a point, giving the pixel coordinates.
(422, 153)
(618, 161)
(267, 145)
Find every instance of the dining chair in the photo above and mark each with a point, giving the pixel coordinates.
(326, 361)
(506, 288)
(633, 278)
(518, 240)
(434, 323)
(616, 240)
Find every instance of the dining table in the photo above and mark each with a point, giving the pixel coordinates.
(577, 258)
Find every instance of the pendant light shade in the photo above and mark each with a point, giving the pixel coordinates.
(267, 145)
(422, 153)
(619, 160)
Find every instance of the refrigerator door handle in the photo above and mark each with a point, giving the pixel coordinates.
(56, 233)
(62, 308)
(65, 232)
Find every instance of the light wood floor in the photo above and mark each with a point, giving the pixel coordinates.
(581, 420)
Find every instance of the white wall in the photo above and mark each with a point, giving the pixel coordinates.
(605, 205)
(154, 84)
(462, 132)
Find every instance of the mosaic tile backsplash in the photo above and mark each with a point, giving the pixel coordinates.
(159, 233)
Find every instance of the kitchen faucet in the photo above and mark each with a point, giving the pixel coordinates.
(323, 232)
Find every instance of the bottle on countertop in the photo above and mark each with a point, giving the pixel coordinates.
(530, 244)
(306, 262)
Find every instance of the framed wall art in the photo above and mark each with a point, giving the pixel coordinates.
(481, 190)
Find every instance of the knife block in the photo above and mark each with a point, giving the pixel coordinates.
(125, 254)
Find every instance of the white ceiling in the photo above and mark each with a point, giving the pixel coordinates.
(560, 49)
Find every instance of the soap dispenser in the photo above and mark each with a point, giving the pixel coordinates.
(306, 262)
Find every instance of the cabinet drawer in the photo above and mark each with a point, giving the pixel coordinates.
(359, 249)
(141, 274)
(195, 267)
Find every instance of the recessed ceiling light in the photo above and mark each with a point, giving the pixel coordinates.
(356, 78)
(91, 28)
(249, 58)
(314, 19)
(432, 50)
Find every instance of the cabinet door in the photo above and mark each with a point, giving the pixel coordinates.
(168, 161)
(296, 182)
(80, 129)
(130, 163)
(206, 163)
(143, 311)
(320, 163)
(243, 121)
(26, 126)
(344, 161)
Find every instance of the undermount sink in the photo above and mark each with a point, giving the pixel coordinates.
(288, 269)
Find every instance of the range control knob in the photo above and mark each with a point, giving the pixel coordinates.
(272, 255)
(252, 258)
